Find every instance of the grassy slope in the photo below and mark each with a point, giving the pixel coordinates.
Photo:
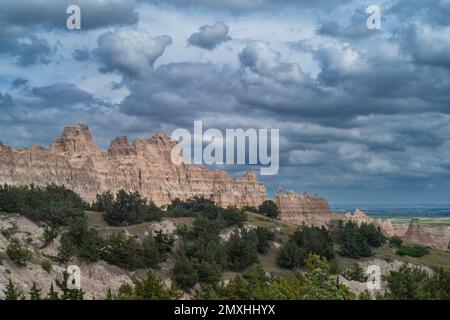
(436, 257)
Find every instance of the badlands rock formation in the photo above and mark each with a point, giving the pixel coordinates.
(313, 210)
(145, 165)
(96, 277)
(388, 228)
(417, 234)
(302, 208)
(433, 237)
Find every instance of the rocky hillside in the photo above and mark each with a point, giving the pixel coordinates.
(96, 278)
(73, 160)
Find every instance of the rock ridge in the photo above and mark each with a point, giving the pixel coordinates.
(144, 165)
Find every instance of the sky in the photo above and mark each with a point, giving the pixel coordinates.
(363, 114)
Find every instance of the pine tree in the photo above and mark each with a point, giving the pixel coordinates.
(109, 295)
(11, 292)
(35, 292)
(52, 294)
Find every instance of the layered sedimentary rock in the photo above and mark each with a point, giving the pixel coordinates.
(441, 237)
(145, 165)
(386, 226)
(303, 209)
(417, 234)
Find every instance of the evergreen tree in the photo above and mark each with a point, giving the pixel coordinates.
(241, 250)
(354, 244)
(314, 240)
(184, 273)
(269, 208)
(109, 295)
(18, 253)
(264, 236)
(11, 292)
(52, 294)
(35, 292)
(149, 288)
(50, 233)
(290, 255)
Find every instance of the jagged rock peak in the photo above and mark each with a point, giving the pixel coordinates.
(3, 146)
(120, 146)
(75, 139)
(417, 234)
(162, 139)
(145, 166)
(250, 176)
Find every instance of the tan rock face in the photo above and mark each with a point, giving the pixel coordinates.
(302, 208)
(74, 161)
(417, 234)
(315, 211)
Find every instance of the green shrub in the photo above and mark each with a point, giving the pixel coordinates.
(353, 243)
(184, 273)
(314, 240)
(355, 273)
(264, 236)
(373, 234)
(416, 251)
(395, 241)
(269, 209)
(291, 255)
(104, 202)
(408, 283)
(46, 266)
(18, 253)
(50, 233)
(55, 205)
(149, 288)
(129, 208)
(241, 249)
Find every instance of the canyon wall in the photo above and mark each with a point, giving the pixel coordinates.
(301, 209)
(144, 165)
(297, 208)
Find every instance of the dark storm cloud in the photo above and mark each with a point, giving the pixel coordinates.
(271, 88)
(243, 6)
(20, 20)
(210, 36)
(63, 94)
(6, 102)
(177, 93)
(426, 45)
(16, 17)
(27, 51)
(432, 12)
(19, 82)
(38, 115)
(373, 113)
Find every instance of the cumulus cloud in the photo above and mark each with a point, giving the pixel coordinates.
(210, 36)
(261, 59)
(132, 53)
(426, 45)
(372, 115)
